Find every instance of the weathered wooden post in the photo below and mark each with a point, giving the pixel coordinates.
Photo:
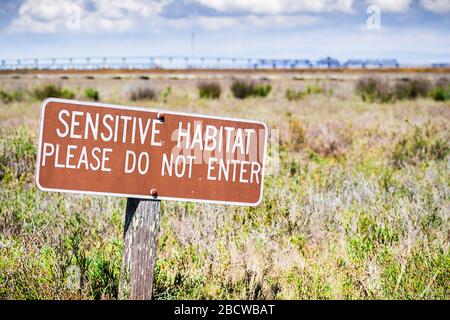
(142, 221)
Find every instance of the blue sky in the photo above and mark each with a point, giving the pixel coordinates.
(413, 31)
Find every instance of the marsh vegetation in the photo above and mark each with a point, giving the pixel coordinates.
(356, 202)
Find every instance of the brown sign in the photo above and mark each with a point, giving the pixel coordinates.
(134, 152)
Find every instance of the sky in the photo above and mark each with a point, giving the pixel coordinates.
(412, 31)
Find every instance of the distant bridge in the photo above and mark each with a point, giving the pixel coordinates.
(157, 62)
(176, 62)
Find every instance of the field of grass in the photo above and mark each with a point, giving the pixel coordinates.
(356, 202)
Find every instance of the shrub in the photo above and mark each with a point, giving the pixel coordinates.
(103, 277)
(17, 153)
(141, 92)
(412, 88)
(310, 90)
(292, 94)
(11, 96)
(315, 89)
(262, 90)
(298, 134)
(443, 82)
(374, 89)
(332, 140)
(51, 90)
(209, 90)
(92, 93)
(440, 94)
(441, 91)
(166, 93)
(243, 89)
(420, 144)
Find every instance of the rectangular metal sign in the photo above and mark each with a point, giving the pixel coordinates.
(104, 149)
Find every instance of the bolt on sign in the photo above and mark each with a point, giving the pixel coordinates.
(134, 152)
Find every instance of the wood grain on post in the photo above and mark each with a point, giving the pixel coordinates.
(142, 223)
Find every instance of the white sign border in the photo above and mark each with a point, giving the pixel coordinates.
(122, 107)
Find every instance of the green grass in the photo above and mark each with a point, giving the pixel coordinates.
(314, 89)
(293, 95)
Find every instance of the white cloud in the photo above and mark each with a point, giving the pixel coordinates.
(53, 16)
(436, 6)
(391, 5)
(215, 23)
(50, 16)
(273, 7)
(254, 21)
